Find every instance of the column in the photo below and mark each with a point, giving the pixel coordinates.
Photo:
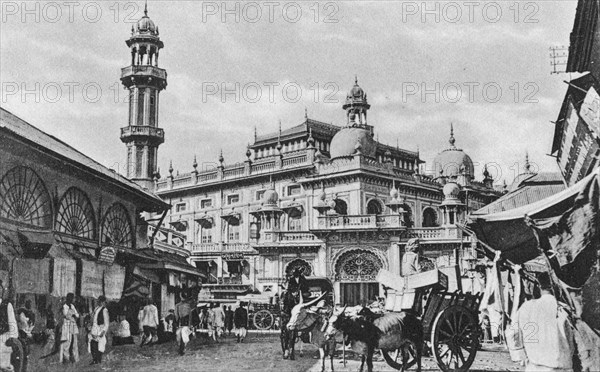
(135, 93)
(146, 106)
(144, 173)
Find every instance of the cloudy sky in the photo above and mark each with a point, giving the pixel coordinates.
(483, 66)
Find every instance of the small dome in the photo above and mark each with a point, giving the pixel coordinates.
(345, 141)
(394, 193)
(451, 190)
(146, 24)
(356, 91)
(270, 197)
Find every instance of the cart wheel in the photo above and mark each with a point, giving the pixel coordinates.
(263, 319)
(455, 338)
(394, 357)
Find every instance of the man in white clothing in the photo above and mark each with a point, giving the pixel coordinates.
(546, 331)
(97, 336)
(8, 331)
(149, 323)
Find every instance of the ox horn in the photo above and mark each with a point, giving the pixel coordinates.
(310, 303)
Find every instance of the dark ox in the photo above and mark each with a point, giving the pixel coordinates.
(390, 332)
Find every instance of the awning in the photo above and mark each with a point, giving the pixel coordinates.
(231, 215)
(293, 205)
(205, 220)
(566, 226)
(180, 225)
(167, 261)
(35, 243)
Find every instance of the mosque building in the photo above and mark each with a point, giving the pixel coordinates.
(328, 199)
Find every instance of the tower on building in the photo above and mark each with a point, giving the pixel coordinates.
(144, 80)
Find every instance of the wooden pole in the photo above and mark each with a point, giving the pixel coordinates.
(344, 349)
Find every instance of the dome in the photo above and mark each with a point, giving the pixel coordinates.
(270, 197)
(146, 24)
(453, 161)
(356, 91)
(345, 141)
(451, 190)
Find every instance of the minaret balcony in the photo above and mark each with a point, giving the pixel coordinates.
(130, 133)
(130, 73)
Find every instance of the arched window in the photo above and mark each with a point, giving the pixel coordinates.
(75, 215)
(294, 220)
(430, 218)
(408, 219)
(116, 227)
(24, 198)
(341, 207)
(374, 207)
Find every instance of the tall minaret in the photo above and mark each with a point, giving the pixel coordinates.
(144, 80)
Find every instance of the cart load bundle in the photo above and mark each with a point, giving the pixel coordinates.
(403, 293)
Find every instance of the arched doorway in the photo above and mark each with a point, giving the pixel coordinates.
(357, 270)
(374, 207)
(430, 218)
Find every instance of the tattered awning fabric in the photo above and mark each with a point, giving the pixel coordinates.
(566, 226)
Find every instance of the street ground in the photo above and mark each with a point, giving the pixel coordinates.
(260, 352)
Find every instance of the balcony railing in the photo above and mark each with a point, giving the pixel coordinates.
(365, 221)
(288, 237)
(139, 130)
(439, 233)
(220, 247)
(144, 71)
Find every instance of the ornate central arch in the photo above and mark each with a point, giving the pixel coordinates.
(361, 265)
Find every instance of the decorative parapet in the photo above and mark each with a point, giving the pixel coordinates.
(220, 248)
(235, 171)
(366, 221)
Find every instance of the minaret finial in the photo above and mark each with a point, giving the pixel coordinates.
(452, 140)
(195, 163)
(527, 164)
(305, 113)
(255, 134)
(279, 128)
(146, 8)
(355, 79)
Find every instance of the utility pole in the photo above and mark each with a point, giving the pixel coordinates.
(558, 56)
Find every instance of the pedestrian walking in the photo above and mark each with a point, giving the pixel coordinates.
(149, 323)
(229, 319)
(553, 347)
(69, 332)
(210, 322)
(183, 314)
(25, 323)
(97, 335)
(240, 320)
(219, 320)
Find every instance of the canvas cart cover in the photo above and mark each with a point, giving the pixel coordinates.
(567, 225)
